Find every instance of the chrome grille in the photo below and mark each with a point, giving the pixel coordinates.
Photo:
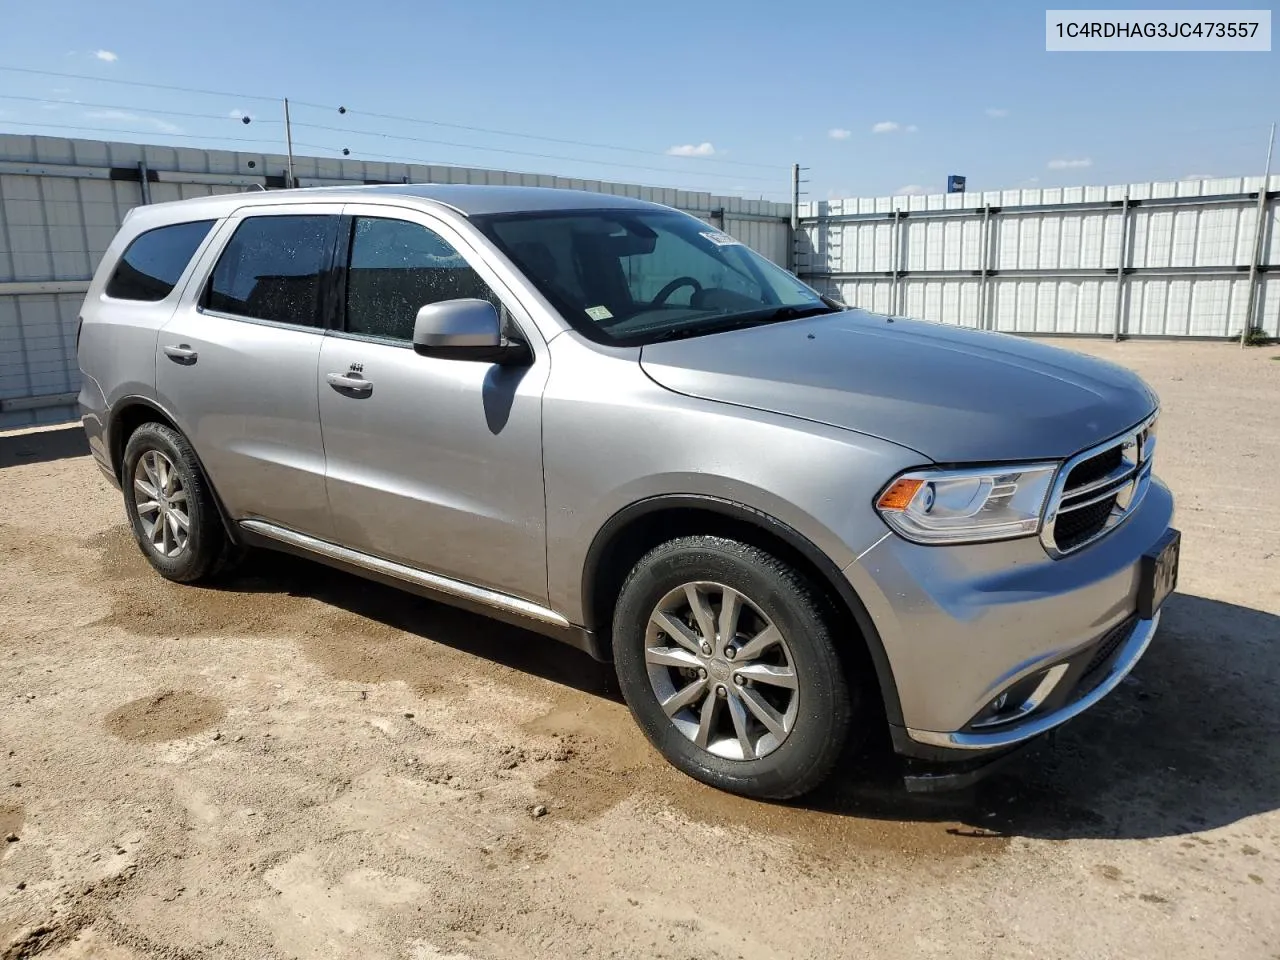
(1097, 489)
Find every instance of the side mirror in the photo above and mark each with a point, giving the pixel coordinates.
(465, 330)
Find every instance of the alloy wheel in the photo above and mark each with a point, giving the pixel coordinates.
(721, 670)
(160, 498)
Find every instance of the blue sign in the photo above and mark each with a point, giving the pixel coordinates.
(955, 183)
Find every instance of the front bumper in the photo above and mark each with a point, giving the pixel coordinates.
(1123, 661)
(962, 624)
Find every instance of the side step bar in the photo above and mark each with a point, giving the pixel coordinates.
(409, 575)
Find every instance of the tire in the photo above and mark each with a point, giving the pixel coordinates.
(733, 748)
(158, 452)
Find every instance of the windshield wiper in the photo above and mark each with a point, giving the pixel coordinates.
(795, 313)
(741, 321)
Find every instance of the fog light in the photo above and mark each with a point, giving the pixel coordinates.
(1020, 699)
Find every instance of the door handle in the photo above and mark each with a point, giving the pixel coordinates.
(182, 353)
(347, 384)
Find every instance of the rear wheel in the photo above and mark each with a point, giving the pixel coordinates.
(726, 658)
(170, 507)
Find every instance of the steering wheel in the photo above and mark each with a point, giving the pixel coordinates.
(675, 285)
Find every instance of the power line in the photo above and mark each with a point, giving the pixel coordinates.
(138, 133)
(425, 162)
(274, 143)
(526, 153)
(128, 109)
(534, 136)
(136, 111)
(391, 117)
(139, 83)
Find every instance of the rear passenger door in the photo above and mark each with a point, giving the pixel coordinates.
(237, 363)
(433, 463)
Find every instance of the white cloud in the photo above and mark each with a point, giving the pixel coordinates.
(1199, 176)
(106, 56)
(910, 190)
(839, 133)
(123, 116)
(1070, 164)
(703, 149)
(892, 126)
(111, 115)
(997, 113)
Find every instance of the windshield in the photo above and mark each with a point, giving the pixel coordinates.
(636, 276)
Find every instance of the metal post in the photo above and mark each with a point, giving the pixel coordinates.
(1259, 235)
(144, 181)
(896, 242)
(288, 139)
(1124, 262)
(795, 216)
(981, 318)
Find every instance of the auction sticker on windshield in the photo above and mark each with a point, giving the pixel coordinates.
(599, 313)
(721, 239)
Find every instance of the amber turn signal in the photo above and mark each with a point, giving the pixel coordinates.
(899, 493)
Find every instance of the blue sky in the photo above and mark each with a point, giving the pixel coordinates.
(873, 98)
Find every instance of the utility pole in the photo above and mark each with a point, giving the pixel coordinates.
(795, 196)
(1258, 236)
(795, 215)
(288, 139)
(1120, 268)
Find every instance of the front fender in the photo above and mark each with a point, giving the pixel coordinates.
(613, 438)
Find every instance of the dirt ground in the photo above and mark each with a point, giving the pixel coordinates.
(303, 764)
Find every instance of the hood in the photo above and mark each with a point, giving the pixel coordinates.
(952, 394)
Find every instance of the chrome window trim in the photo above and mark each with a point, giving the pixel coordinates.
(1129, 483)
(260, 321)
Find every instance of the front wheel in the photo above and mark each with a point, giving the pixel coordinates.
(725, 656)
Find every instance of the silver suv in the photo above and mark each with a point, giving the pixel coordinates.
(790, 525)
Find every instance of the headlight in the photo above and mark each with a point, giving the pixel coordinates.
(960, 506)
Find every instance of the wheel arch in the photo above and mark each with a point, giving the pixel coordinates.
(637, 528)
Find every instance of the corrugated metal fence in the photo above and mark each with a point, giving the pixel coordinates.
(1150, 259)
(61, 202)
(1146, 259)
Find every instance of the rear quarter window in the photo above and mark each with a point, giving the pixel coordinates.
(155, 260)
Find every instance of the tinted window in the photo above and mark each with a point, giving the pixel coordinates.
(271, 269)
(155, 260)
(397, 268)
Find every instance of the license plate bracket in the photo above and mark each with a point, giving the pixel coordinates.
(1158, 574)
